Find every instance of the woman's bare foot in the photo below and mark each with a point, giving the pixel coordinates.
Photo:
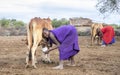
(71, 64)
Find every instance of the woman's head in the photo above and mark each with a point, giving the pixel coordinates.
(45, 33)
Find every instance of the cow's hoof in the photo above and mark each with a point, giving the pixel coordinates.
(36, 62)
(52, 62)
(34, 67)
(46, 62)
(27, 66)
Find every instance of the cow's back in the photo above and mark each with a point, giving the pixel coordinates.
(94, 28)
(35, 26)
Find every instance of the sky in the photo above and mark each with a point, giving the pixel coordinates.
(26, 9)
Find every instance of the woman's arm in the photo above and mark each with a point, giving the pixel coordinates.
(55, 41)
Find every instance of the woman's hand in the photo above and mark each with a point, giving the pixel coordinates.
(46, 52)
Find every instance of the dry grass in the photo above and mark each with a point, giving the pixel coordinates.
(91, 60)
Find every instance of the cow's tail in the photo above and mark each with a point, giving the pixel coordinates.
(30, 39)
(92, 33)
(92, 28)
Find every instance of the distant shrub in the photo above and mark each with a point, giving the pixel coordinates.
(56, 23)
(11, 23)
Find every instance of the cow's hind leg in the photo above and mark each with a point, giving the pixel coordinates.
(30, 43)
(28, 57)
(99, 41)
(27, 60)
(37, 38)
(33, 55)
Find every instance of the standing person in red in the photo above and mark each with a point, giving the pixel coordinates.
(108, 35)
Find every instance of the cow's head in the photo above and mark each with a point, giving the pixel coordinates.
(99, 32)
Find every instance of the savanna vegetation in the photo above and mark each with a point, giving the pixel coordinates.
(11, 23)
(15, 27)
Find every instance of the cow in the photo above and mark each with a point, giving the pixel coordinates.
(94, 34)
(34, 37)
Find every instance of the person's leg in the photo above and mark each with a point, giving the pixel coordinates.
(72, 61)
(60, 66)
(113, 41)
(103, 44)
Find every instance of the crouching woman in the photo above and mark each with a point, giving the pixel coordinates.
(66, 40)
(108, 35)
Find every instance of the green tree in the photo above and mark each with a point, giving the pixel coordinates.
(64, 21)
(4, 22)
(54, 23)
(18, 23)
(57, 23)
(108, 6)
(11, 23)
(115, 26)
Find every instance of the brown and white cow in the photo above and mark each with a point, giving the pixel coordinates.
(94, 35)
(34, 37)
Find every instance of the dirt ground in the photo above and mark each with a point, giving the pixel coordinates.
(91, 60)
